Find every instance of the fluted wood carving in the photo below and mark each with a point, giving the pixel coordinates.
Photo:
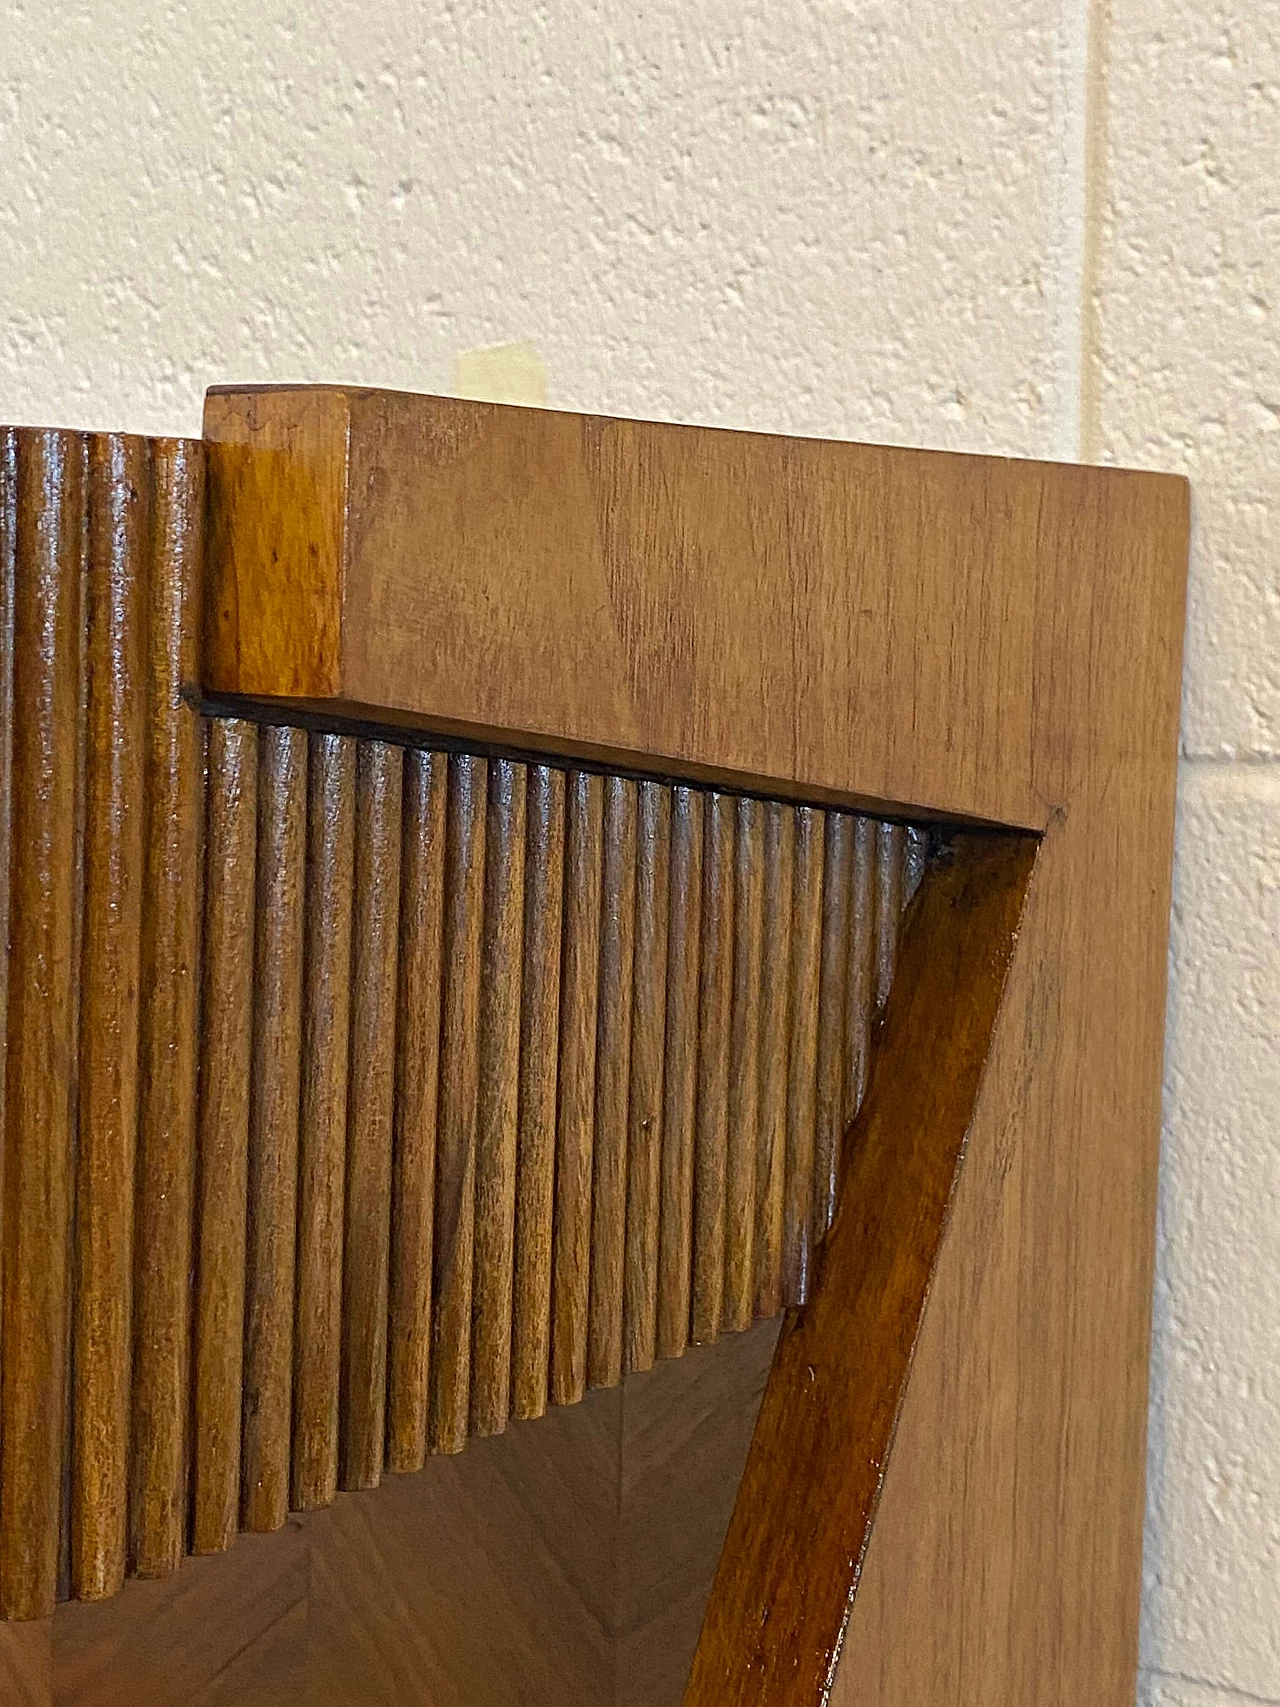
(357, 1095)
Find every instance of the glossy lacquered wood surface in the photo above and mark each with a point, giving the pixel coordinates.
(808, 1495)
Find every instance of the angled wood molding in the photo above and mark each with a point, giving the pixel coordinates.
(454, 860)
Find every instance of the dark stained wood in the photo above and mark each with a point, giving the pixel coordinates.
(119, 535)
(830, 1112)
(273, 1129)
(367, 1249)
(575, 1116)
(860, 994)
(174, 833)
(807, 1499)
(417, 1091)
(498, 1106)
(744, 1065)
(775, 1054)
(680, 1075)
(802, 1085)
(222, 1186)
(890, 871)
(645, 1097)
(567, 1562)
(711, 1133)
(322, 1143)
(26, 1663)
(539, 1060)
(41, 1018)
(459, 1090)
(613, 1079)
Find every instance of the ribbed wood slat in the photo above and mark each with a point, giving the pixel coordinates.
(273, 1127)
(322, 1160)
(498, 1109)
(119, 526)
(575, 1122)
(613, 1076)
(168, 1018)
(414, 1092)
(459, 1094)
(38, 1181)
(231, 859)
(367, 1253)
(426, 777)
(648, 1050)
(539, 1078)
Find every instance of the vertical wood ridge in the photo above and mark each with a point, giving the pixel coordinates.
(273, 1130)
(326, 1015)
(498, 1110)
(417, 1090)
(118, 534)
(41, 1038)
(539, 1081)
(459, 1090)
(613, 1076)
(168, 1017)
(371, 1083)
(356, 1097)
(223, 1133)
(580, 974)
(648, 1050)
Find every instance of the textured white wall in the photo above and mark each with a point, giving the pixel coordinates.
(1040, 226)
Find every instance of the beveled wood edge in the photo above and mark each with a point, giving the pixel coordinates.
(808, 1496)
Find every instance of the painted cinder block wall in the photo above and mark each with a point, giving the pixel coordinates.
(1028, 227)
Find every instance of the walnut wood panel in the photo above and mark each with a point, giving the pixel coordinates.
(569, 1562)
(362, 1096)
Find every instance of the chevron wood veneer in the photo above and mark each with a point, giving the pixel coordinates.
(362, 1095)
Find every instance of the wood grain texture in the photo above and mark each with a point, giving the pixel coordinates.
(806, 1502)
(118, 534)
(775, 1055)
(426, 777)
(711, 1131)
(539, 1068)
(575, 1116)
(613, 1084)
(168, 1017)
(680, 1082)
(648, 1054)
(322, 1145)
(744, 1065)
(367, 1251)
(273, 1129)
(802, 1087)
(568, 1562)
(830, 1114)
(498, 1107)
(927, 634)
(41, 1021)
(222, 1186)
(459, 1091)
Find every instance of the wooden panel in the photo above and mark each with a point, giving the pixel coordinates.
(949, 635)
(705, 571)
(568, 1562)
(808, 1495)
(456, 1125)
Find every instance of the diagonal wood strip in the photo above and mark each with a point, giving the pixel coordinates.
(807, 1499)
